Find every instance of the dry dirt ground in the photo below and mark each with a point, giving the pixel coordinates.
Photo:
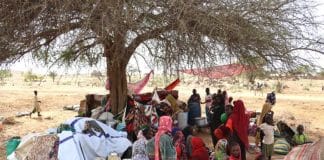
(296, 105)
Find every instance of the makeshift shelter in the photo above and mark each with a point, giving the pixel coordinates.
(218, 72)
(134, 87)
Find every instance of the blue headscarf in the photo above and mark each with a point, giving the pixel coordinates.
(174, 131)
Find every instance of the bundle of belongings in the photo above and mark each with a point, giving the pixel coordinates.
(309, 151)
(150, 106)
(284, 138)
(77, 139)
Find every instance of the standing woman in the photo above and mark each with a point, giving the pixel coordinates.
(238, 122)
(194, 107)
(266, 110)
(161, 146)
(216, 111)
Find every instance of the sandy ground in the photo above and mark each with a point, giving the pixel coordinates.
(295, 105)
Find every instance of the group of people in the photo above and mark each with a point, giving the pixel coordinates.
(169, 143)
(228, 122)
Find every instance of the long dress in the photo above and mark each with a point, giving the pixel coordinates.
(216, 111)
(194, 108)
(139, 150)
(167, 150)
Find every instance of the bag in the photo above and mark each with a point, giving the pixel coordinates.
(281, 146)
(12, 144)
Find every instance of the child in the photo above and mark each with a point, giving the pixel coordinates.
(139, 151)
(222, 134)
(235, 151)
(268, 139)
(300, 137)
(36, 105)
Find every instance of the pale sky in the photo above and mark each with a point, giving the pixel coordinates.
(26, 63)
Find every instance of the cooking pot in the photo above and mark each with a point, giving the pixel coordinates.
(201, 121)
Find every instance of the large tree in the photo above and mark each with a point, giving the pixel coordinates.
(175, 32)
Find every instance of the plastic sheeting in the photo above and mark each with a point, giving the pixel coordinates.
(79, 146)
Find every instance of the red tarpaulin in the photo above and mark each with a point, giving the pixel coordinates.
(135, 87)
(139, 85)
(218, 72)
(172, 85)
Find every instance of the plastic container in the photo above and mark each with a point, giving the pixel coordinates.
(113, 156)
(182, 120)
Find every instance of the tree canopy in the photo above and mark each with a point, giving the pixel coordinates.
(175, 32)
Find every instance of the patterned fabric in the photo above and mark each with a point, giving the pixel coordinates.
(179, 143)
(136, 119)
(281, 146)
(139, 149)
(164, 109)
(44, 148)
(310, 151)
(220, 150)
(92, 127)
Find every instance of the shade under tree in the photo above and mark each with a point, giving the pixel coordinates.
(177, 33)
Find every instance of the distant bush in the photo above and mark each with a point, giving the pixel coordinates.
(67, 83)
(306, 89)
(4, 73)
(31, 77)
(53, 75)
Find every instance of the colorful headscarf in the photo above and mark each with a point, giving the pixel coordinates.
(165, 125)
(199, 150)
(179, 144)
(222, 132)
(240, 121)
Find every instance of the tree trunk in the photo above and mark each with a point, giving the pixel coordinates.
(116, 71)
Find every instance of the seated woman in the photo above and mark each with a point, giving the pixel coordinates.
(180, 144)
(198, 149)
(195, 146)
(139, 150)
(222, 133)
(161, 147)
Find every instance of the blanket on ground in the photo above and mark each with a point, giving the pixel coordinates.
(89, 145)
(310, 151)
